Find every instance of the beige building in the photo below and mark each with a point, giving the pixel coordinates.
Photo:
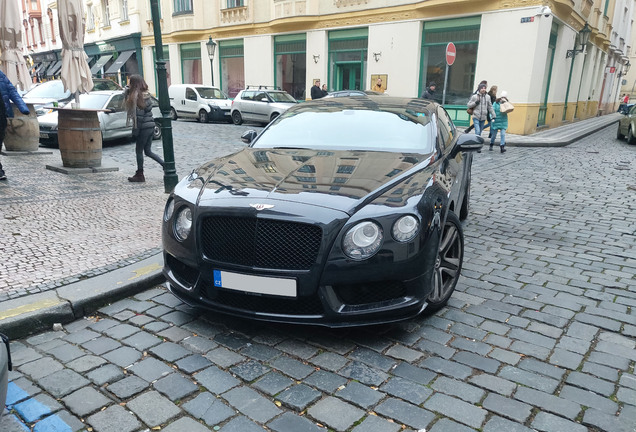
(530, 48)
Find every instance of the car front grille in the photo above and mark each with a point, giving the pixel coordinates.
(262, 243)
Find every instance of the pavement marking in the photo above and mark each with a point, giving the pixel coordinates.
(145, 270)
(28, 308)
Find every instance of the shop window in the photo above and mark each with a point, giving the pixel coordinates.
(464, 33)
(191, 63)
(232, 66)
(291, 64)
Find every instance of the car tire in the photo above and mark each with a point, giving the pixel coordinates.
(156, 133)
(173, 114)
(237, 119)
(630, 137)
(203, 116)
(463, 211)
(448, 263)
(619, 135)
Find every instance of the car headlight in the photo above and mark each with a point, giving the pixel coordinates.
(183, 223)
(363, 240)
(405, 228)
(167, 214)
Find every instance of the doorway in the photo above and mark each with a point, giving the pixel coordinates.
(348, 76)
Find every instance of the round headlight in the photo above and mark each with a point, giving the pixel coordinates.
(183, 223)
(363, 240)
(405, 228)
(167, 214)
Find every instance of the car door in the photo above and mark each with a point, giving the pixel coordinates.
(113, 121)
(261, 107)
(246, 105)
(191, 102)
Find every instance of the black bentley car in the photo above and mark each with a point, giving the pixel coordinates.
(342, 212)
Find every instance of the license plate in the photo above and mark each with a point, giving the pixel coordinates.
(255, 284)
(226, 113)
(44, 135)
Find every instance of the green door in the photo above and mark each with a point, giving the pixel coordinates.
(348, 76)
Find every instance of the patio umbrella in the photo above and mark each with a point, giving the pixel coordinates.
(75, 73)
(12, 61)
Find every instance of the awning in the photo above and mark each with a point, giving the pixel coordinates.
(53, 69)
(40, 66)
(123, 58)
(100, 63)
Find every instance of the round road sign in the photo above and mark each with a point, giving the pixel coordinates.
(451, 53)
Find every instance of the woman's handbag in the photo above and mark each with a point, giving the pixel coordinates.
(506, 107)
(470, 111)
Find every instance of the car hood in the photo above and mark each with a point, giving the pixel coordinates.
(221, 103)
(341, 180)
(49, 119)
(39, 101)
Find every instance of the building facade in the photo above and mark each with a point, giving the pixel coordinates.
(530, 48)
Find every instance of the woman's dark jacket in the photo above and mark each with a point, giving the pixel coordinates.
(9, 93)
(144, 118)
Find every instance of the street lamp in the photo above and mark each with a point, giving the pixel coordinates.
(583, 38)
(211, 46)
(626, 67)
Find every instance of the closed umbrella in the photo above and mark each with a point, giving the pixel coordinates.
(75, 73)
(12, 61)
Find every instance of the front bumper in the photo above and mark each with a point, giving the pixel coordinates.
(48, 138)
(219, 114)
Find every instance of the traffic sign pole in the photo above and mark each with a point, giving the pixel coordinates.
(451, 53)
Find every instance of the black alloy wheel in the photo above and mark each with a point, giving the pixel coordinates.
(156, 133)
(236, 118)
(619, 135)
(203, 116)
(448, 264)
(173, 114)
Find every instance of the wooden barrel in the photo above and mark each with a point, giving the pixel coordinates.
(80, 138)
(23, 131)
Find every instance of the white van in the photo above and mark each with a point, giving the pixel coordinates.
(198, 101)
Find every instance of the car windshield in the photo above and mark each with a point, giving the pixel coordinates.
(281, 97)
(93, 101)
(211, 93)
(351, 129)
(50, 89)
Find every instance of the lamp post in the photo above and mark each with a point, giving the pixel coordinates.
(211, 46)
(170, 178)
(581, 39)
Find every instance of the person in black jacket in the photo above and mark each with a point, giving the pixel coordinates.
(138, 105)
(8, 93)
(316, 92)
(430, 91)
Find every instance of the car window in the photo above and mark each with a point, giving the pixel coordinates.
(446, 128)
(116, 102)
(50, 89)
(281, 97)
(93, 101)
(633, 110)
(190, 94)
(211, 93)
(260, 96)
(248, 95)
(105, 84)
(348, 129)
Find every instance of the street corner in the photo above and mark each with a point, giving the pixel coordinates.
(25, 315)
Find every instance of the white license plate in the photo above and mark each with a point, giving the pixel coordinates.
(44, 135)
(227, 113)
(255, 284)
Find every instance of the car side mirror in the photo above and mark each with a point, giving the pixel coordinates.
(264, 99)
(249, 136)
(468, 143)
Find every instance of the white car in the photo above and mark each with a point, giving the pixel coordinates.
(262, 104)
(199, 102)
(112, 121)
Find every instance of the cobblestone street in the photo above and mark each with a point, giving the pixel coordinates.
(540, 334)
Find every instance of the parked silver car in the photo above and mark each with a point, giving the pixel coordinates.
(262, 104)
(112, 121)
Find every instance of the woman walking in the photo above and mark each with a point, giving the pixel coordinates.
(500, 123)
(138, 105)
(482, 106)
